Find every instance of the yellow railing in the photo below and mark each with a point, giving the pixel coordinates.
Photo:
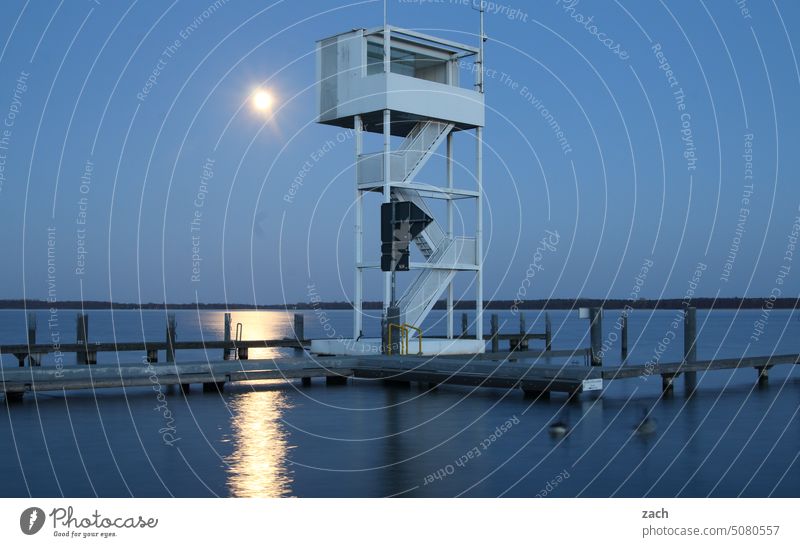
(404, 337)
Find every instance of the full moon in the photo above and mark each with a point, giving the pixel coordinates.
(262, 100)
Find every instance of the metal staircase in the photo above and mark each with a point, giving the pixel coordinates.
(441, 253)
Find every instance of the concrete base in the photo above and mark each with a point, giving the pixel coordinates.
(372, 346)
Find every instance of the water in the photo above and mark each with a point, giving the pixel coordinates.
(732, 438)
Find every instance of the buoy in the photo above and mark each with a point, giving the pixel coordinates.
(559, 428)
(647, 424)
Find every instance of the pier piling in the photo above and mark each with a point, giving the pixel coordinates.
(171, 330)
(86, 356)
(34, 359)
(299, 328)
(667, 383)
(763, 375)
(227, 352)
(623, 338)
(495, 330)
(464, 325)
(548, 333)
(690, 346)
(596, 335)
(522, 344)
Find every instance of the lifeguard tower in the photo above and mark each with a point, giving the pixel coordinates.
(398, 82)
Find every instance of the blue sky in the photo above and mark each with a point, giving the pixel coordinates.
(113, 166)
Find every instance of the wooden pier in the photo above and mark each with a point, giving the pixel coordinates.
(536, 372)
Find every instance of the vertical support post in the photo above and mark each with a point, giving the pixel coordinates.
(450, 230)
(548, 333)
(359, 235)
(82, 337)
(31, 322)
(227, 353)
(667, 384)
(523, 333)
(464, 325)
(495, 340)
(152, 356)
(479, 227)
(392, 318)
(300, 334)
(34, 359)
(299, 328)
(690, 345)
(387, 192)
(596, 335)
(171, 330)
(623, 337)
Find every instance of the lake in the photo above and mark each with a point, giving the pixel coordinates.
(366, 439)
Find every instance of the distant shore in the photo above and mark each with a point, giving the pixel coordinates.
(552, 304)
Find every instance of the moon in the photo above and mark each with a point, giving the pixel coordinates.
(262, 100)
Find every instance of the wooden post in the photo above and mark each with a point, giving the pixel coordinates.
(596, 335)
(494, 333)
(171, 331)
(523, 333)
(667, 383)
(299, 327)
(81, 329)
(690, 345)
(464, 325)
(623, 338)
(300, 335)
(152, 356)
(34, 359)
(85, 356)
(299, 330)
(227, 352)
(548, 333)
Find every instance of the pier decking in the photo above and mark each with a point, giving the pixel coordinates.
(535, 372)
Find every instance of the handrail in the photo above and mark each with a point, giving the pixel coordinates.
(404, 339)
(419, 337)
(403, 331)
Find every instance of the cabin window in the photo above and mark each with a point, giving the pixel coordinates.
(407, 63)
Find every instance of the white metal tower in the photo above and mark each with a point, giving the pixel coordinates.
(399, 82)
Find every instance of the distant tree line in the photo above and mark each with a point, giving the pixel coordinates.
(551, 304)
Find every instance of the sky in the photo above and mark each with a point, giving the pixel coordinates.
(133, 167)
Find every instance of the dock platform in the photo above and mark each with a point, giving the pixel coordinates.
(534, 372)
